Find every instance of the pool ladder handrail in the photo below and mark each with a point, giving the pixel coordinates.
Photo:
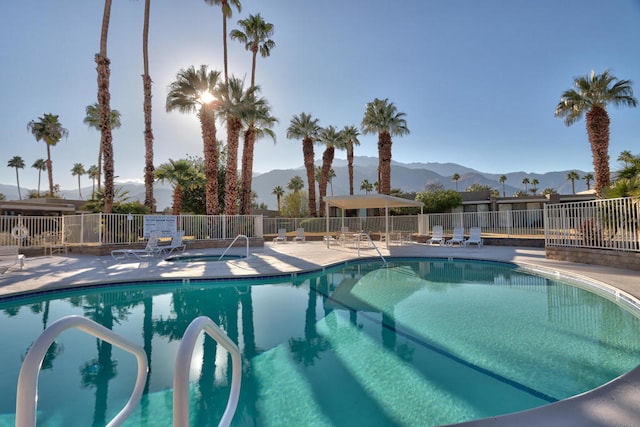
(232, 243)
(27, 393)
(372, 244)
(183, 367)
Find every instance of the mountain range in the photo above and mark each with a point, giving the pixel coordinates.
(409, 177)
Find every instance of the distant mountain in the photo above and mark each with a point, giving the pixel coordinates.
(409, 177)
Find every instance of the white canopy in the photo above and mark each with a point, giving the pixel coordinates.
(369, 201)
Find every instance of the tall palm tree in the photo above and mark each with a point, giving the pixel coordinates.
(192, 92)
(92, 119)
(148, 131)
(179, 174)
(50, 130)
(588, 177)
(78, 170)
(17, 163)
(534, 185)
(572, 176)
(255, 35)
(295, 184)
(626, 157)
(227, 12)
(525, 181)
(259, 123)
(233, 104)
(104, 99)
(331, 138)
(382, 117)
(455, 178)
(590, 96)
(278, 192)
(40, 165)
(502, 180)
(306, 128)
(92, 172)
(350, 134)
(366, 186)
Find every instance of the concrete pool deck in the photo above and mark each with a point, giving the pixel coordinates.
(614, 404)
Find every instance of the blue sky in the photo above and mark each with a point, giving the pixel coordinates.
(478, 79)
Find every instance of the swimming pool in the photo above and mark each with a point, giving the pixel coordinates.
(420, 341)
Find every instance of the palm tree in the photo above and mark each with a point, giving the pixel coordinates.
(295, 184)
(350, 134)
(104, 99)
(331, 138)
(92, 119)
(502, 180)
(306, 128)
(455, 178)
(234, 101)
(148, 131)
(226, 13)
(40, 165)
(572, 176)
(255, 35)
(18, 163)
(259, 124)
(590, 96)
(381, 117)
(279, 192)
(366, 186)
(78, 170)
(192, 92)
(588, 177)
(525, 181)
(534, 186)
(626, 157)
(179, 173)
(93, 175)
(332, 174)
(50, 130)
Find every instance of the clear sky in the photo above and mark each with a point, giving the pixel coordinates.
(478, 79)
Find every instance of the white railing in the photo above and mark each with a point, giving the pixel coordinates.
(239, 236)
(27, 393)
(603, 224)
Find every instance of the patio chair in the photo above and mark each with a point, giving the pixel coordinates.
(436, 235)
(299, 235)
(176, 244)
(458, 237)
(475, 234)
(151, 250)
(282, 236)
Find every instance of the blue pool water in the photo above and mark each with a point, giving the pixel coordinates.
(418, 342)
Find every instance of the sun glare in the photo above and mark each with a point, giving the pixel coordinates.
(206, 97)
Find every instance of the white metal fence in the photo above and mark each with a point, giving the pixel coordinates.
(604, 224)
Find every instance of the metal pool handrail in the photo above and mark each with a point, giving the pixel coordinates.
(372, 244)
(26, 399)
(183, 367)
(234, 240)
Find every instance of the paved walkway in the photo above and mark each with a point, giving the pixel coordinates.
(615, 404)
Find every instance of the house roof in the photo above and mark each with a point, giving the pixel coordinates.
(370, 201)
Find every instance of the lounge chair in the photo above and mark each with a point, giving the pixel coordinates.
(475, 234)
(10, 256)
(436, 236)
(151, 250)
(299, 235)
(176, 244)
(458, 237)
(282, 236)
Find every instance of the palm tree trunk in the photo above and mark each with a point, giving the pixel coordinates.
(79, 190)
(350, 166)
(148, 132)
(104, 98)
(50, 170)
(177, 200)
(234, 124)
(208, 126)
(327, 160)
(598, 131)
(247, 170)
(307, 151)
(384, 150)
(18, 183)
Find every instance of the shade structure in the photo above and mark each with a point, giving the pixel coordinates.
(369, 201)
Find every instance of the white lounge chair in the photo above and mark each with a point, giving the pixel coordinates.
(176, 244)
(475, 234)
(299, 235)
(151, 250)
(282, 236)
(458, 237)
(436, 236)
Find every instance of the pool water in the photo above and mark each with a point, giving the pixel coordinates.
(418, 342)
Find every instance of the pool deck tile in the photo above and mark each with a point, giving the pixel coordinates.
(614, 404)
